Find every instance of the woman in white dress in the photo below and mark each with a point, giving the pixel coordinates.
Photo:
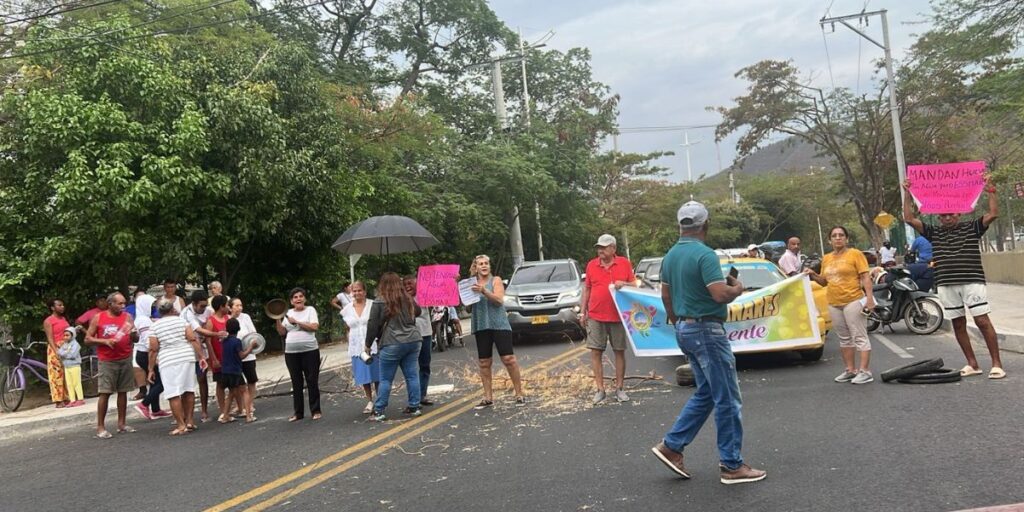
(356, 314)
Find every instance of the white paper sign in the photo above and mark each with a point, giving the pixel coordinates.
(466, 293)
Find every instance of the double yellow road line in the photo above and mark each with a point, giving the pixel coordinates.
(336, 464)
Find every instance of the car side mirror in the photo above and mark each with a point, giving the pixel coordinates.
(583, 276)
(504, 282)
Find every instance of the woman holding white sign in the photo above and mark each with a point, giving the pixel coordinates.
(844, 273)
(491, 328)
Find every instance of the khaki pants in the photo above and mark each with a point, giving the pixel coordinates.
(850, 325)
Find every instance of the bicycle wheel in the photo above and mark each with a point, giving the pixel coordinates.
(12, 389)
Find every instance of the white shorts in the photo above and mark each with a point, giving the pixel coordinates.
(178, 379)
(957, 299)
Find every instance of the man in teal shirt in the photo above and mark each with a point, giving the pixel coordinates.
(695, 295)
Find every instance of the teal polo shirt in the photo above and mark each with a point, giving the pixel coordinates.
(688, 268)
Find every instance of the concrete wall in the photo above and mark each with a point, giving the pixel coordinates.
(1004, 267)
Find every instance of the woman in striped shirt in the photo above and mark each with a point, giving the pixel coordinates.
(172, 341)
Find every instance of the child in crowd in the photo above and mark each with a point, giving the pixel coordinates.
(231, 372)
(70, 353)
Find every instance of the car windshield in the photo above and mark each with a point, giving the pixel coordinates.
(755, 276)
(543, 274)
(642, 267)
(654, 270)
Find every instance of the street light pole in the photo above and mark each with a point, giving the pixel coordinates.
(894, 108)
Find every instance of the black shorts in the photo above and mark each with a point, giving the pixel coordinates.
(218, 378)
(487, 339)
(231, 380)
(249, 371)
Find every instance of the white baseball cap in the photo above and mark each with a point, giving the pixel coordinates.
(605, 240)
(692, 214)
(752, 247)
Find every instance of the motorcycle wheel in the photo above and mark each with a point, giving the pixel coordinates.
(926, 318)
(873, 323)
(439, 341)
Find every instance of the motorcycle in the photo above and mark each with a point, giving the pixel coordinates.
(898, 297)
(444, 331)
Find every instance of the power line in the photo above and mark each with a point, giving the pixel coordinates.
(55, 13)
(669, 128)
(170, 31)
(150, 22)
(828, 58)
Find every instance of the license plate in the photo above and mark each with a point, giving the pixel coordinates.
(537, 320)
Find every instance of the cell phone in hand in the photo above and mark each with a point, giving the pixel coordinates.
(733, 273)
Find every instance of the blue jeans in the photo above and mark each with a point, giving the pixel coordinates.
(392, 357)
(425, 365)
(714, 370)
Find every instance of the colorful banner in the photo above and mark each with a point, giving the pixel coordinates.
(778, 317)
(436, 285)
(947, 188)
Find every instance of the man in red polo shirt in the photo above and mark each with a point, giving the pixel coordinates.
(599, 316)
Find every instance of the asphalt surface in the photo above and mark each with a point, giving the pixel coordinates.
(826, 446)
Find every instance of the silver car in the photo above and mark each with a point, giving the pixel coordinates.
(543, 298)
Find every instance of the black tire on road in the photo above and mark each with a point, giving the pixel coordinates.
(812, 355)
(941, 376)
(912, 369)
(873, 323)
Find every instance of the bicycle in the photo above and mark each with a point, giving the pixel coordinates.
(13, 381)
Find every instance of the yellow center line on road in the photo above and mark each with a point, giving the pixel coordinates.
(380, 441)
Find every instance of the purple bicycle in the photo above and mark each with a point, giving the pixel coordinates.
(13, 379)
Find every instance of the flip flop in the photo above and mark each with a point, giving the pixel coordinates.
(967, 371)
(191, 428)
(250, 419)
(229, 419)
(127, 429)
(317, 416)
(103, 435)
(996, 373)
(294, 419)
(178, 432)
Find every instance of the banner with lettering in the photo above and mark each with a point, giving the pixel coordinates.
(947, 188)
(436, 285)
(778, 317)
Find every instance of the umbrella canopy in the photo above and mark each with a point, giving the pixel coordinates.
(387, 234)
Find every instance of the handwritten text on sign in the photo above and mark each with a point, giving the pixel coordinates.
(947, 188)
(436, 285)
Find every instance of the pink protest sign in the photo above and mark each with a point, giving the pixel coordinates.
(436, 285)
(947, 188)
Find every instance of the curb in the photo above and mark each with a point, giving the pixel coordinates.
(1009, 342)
(85, 416)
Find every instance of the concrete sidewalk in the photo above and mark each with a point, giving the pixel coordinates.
(273, 378)
(1007, 316)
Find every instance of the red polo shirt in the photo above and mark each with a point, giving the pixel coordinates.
(602, 307)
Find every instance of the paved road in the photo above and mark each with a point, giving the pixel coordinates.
(826, 446)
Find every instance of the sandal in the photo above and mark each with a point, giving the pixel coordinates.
(127, 429)
(103, 435)
(294, 419)
(191, 428)
(178, 432)
(226, 419)
(250, 419)
(317, 416)
(520, 401)
(484, 404)
(996, 373)
(968, 371)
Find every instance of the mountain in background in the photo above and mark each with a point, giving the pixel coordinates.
(792, 154)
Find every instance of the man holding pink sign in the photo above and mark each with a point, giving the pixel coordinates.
(950, 190)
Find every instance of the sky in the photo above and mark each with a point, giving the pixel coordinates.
(670, 59)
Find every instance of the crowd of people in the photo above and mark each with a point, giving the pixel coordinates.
(179, 343)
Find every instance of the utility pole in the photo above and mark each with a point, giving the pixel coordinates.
(515, 232)
(732, 183)
(526, 111)
(686, 144)
(894, 108)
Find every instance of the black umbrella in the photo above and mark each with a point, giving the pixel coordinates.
(386, 234)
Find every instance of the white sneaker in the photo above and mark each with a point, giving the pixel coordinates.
(863, 377)
(598, 397)
(846, 376)
(621, 395)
